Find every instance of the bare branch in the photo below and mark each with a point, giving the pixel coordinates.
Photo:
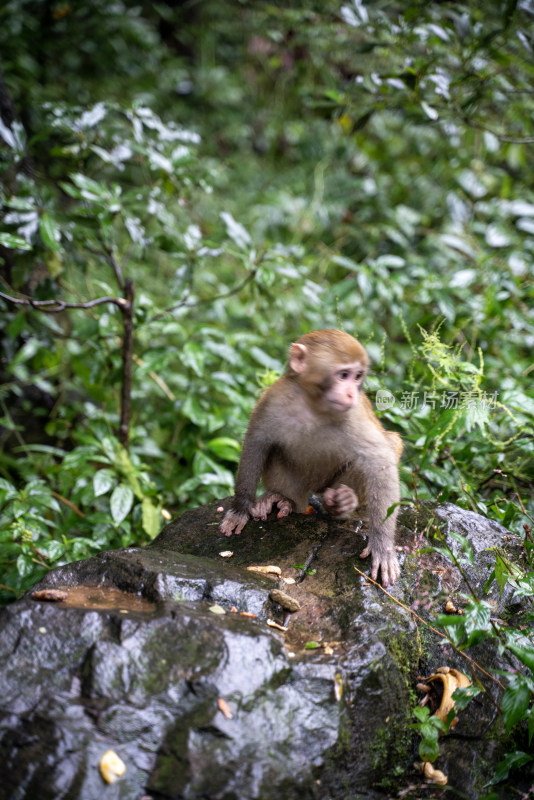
(127, 358)
(194, 303)
(502, 137)
(107, 253)
(55, 306)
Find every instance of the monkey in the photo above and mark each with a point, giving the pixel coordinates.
(314, 431)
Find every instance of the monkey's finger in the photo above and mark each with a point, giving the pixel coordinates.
(374, 569)
(367, 552)
(329, 496)
(240, 526)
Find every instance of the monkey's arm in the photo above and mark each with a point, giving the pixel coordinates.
(253, 458)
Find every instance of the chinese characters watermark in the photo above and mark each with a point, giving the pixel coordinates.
(412, 401)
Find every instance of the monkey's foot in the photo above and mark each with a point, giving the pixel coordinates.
(340, 502)
(233, 522)
(264, 505)
(386, 561)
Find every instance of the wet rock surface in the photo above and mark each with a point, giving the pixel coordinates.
(133, 655)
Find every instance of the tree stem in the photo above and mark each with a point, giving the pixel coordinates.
(127, 363)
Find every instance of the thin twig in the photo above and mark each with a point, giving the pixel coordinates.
(61, 305)
(127, 357)
(184, 304)
(156, 378)
(523, 509)
(435, 630)
(68, 503)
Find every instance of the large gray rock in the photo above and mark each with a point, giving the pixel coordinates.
(135, 659)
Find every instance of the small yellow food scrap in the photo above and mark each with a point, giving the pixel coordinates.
(166, 514)
(434, 775)
(268, 570)
(450, 608)
(50, 595)
(274, 624)
(224, 708)
(285, 600)
(226, 553)
(111, 766)
(217, 609)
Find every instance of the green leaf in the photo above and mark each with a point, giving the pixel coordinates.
(103, 481)
(14, 242)
(236, 231)
(422, 713)
(25, 566)
(428, 749)
(19, 508)
(524, 654)
(225, 448)
(510, 762)
(530, 725)
(89, 189)
(53, 550)
(192, 409)
(7, 490)
(151, 518)
(447, 421)
(49, 230)
(463, 696)
(311, 645)
(515, 701)
(121, 502)
(193, 355)
(477, 616)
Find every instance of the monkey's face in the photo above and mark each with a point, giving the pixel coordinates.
(342, 391)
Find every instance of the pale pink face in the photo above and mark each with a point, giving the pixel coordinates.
(344, 390)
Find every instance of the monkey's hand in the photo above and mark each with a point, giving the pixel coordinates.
(264, 505)
(233, 522)
(385, 559)
(340, 502)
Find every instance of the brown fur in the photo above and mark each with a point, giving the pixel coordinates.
(300, 442)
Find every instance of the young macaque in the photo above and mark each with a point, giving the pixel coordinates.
(314, 431)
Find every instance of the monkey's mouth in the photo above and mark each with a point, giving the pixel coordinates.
(341, 406)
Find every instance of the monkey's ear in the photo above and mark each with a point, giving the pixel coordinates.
(297, 357)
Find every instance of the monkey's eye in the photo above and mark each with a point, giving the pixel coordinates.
(359, 375)
(344, 374)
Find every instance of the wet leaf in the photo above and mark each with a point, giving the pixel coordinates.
(121, 502)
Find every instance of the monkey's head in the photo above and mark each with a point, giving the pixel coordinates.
(330, 366)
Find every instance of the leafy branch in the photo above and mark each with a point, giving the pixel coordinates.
(126, 307)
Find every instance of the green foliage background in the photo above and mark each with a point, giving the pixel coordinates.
(257, 170)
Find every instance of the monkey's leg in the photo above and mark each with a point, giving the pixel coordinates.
(340, 502)
(385, 559)
(264, 505)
